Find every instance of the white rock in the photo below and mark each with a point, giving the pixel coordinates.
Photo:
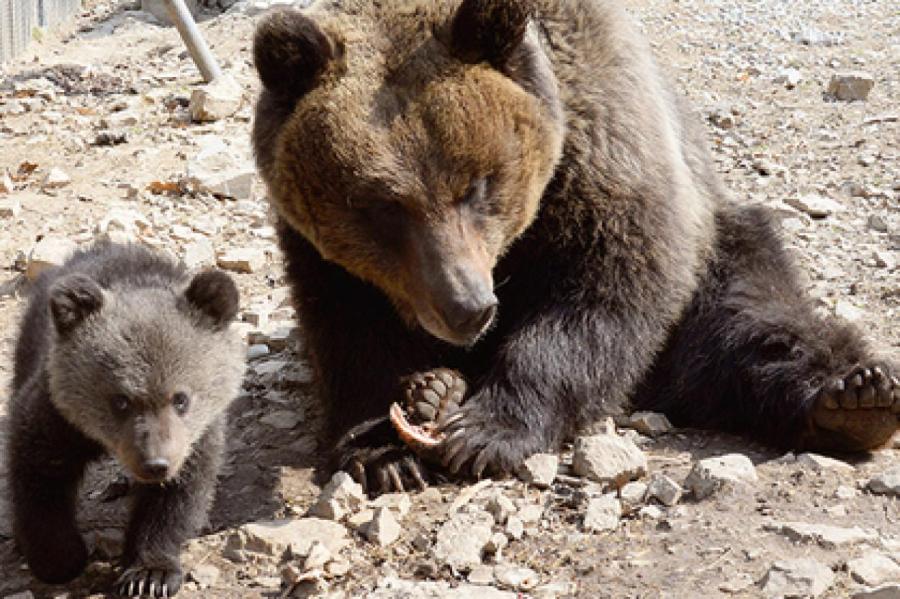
(339, 498)
(515, 528)
(889, 591)
(216, 100)
(10, 207)
(882, 258)
(651, 512)
(515, 577)
(602, 514)
(399, 503)
(539, 469)
(396, 588)
(651, 424)
(318, 556)
(275, 537)
(664, 490)
(6, 183)
(218, 170)
(829, 537)
(461, 540)
(874, 569)
(496, 544)
(711, 475)
(481, 575)
(821, 463)
(384, 529)
(56, 178)
(632, 494)
(121, 221)
(802, 577)
(205, 575)
(243, 260)
(816, 206)
(847, 311)
(850, 87)
(886, 483)
(608, 459)
(49, 251)
(198, 254)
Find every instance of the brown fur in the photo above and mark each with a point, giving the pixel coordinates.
(534, 149)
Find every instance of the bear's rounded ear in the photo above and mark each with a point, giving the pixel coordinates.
(72, 299)
(214, 295)
(489, 30)
(290, 51)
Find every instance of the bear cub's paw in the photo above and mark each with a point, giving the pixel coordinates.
(858, 411)
(373, 455)
(145, 579)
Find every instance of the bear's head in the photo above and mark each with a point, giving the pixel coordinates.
(144, 371)
(410, 143)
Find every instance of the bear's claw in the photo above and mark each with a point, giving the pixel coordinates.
(858, 411)
(142, 581)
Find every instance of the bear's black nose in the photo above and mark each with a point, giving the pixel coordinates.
(156, 468)
(471, 317)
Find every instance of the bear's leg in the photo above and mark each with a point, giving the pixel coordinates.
(165, 515)
(360, 351)
(46, 461)
(751, 355)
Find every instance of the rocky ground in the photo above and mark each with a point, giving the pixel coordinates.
(98, 140)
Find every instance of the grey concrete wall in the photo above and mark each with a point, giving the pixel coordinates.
(18, 18)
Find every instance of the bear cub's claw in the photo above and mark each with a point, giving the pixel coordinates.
(149, 581)
(858, 411)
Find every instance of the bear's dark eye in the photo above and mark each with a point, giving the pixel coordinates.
(120, 404)
(180, 401)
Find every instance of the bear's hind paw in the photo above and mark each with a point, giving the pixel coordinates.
(858, 411)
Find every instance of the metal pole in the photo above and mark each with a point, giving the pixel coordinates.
(193, 39)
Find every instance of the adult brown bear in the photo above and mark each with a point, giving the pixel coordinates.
(508, 189)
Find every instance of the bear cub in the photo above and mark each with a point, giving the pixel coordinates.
(121, 352)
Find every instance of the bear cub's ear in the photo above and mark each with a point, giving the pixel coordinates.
(489, 30)
(214, 295)
(290, 51)
(72, 299)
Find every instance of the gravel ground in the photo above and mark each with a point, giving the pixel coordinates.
(97, 140)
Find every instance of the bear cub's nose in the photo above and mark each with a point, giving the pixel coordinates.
(156, 468)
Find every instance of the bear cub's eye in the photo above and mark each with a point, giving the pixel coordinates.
(180, 401)
(120, 404)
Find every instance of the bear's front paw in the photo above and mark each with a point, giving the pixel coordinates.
(145, 579)
(858, 411)
(371, 453)
(475, 441)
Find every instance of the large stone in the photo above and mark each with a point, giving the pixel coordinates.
(216, 100)
(821, 463)
(293, 537)
(727, 472)
(517, 577)
(850, 87)
(824, 535)
(49, 251)
(396, 588)
(217, 169)
(608, 459)
(539, 469)
(886, 483)
(56, 178)
(651, 424)
(602, 514)
(874, 569)
(383, 529)
(157, 8)
(664, 490)
(461, 540)
(339, 498)
(244, 260)
(802, 577)
(816, 206)
(888, 591)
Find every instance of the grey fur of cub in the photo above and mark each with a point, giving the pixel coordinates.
(121, 352)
